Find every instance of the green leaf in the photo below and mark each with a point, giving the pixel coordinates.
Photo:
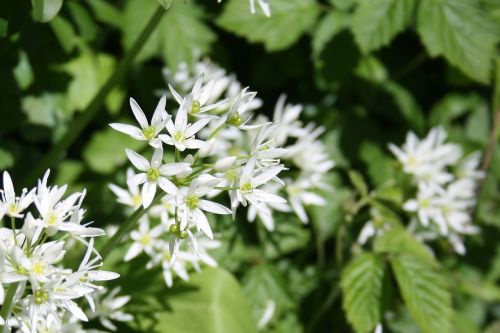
(425, 293)
(45, 110)
(65, 33)
(4, 26)
(46, 10)
(23, 73)
(212, 302)
(359, 182)
(397, 240)
(87, 28)
(377, 22)
(181, 36)
(328, 27)
(290, 19)
(461, 31)
(362, 285)
(166, 3)
(107, 13)
(106, 150)
(453, 106)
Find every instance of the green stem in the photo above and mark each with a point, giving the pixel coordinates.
(126, 227)
(217, 130)
(8, 304)
(81, 122)
(13, 226)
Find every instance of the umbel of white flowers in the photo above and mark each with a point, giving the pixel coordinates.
(43, 225)
(215, 145)
(446, 184)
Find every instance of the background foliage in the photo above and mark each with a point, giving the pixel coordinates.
(368, 70)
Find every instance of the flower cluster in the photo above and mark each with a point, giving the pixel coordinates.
(215, 145)
(446, 185)
(43, 291)
(263, 4)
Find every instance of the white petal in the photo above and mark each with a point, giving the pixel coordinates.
(194, 128)
(167, 186)
(134, 250)
(148, 193)
(157, 158)
(137, 160)
(8, 187)
(133, 131)
(202, 223)
(138, 113)
(138, 179)
(213, 207)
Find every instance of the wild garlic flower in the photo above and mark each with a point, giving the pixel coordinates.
(31, 258)
(221, 149)
(446, 186)
(147, 131)
(109, 308)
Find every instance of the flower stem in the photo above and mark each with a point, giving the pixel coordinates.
(81, 122)
(217, 130)
(126, 227)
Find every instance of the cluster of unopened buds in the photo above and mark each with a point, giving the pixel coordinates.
(215, 145)
(43, 293)
(445, 183)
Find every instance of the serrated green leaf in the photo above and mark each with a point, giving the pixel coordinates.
(181, 36)
(46, 10)
(425, 293)
(377, 22)
(106, 150)
(212, 302)
(290, 19)
(398, 241)
(362, 286)
(462, 32)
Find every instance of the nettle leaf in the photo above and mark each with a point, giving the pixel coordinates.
(425, 293)
(362, 284)
(377, 22)
(290, 19)
(397, 240)
(212, 302)
(46, 10)
(181, 36)
(462, 32)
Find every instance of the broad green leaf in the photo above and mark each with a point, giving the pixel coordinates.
(45, 110)
(376, 22)
(462, 32)
(362, 285)
(397, 241)
(46, 10)
(90, 72)
(425, 293)
(328, 27)
(264, 283)
(212, 302)
(453, 106)
(4, 26)
(478, 124)
(378, 162)
(290, 19)
(359, 182)
(6, 159)
(106, 150)
(181, 36)
(407, 105)
(343, 4)
(372, 69)
(23, 73)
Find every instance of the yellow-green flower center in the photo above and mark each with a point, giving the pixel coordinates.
(52, 219)
(40, 296)
(235, 120)
(192, 201)
(145, 240)
(153, 174)
(246, 187)
(424, 203)
(13, 208)
(136, 200)
(179, 137)
(149, 132)
(38, 268)
(195, 109)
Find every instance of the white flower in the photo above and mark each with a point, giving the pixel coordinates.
(154, 174)
(131, 197)
(249, 180)
(144, 239)
(287, 118)
(10, 204)
(237, 115)
(147, 132)
(263, 146)
(301, 193)
(193, 205)
(108, 307)
(181, 134)
(425, 204)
